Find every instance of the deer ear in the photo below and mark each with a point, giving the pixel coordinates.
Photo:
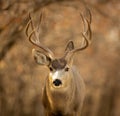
(40, 58)
(69, 46)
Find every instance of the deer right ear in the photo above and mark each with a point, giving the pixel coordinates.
(69, 46)
(40, 58)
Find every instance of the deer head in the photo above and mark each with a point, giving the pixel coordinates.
(59, 67)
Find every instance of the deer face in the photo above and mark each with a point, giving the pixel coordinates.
(59, 69)
(58, 72)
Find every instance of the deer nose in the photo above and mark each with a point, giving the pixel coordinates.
(57, 82)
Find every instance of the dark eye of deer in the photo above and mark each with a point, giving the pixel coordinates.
(51, 69)
(66, 69)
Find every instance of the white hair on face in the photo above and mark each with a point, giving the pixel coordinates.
(56, 75)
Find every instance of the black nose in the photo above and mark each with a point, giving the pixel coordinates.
(57, 82)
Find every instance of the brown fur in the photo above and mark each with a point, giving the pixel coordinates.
(59, 63)
(65, 102)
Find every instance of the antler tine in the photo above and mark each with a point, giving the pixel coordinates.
(86, 34)
(27, 27)
(40, 20)
(90, 15)
(36, 41)
(32, 25)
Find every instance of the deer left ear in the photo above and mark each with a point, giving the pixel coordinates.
(40, 58)
(69, 46)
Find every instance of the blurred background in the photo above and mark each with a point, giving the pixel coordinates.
(21, 79)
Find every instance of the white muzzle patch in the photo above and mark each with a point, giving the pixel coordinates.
(56, 79)
(55, 75)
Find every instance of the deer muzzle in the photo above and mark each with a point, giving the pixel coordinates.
(56, 79)
(57, 82)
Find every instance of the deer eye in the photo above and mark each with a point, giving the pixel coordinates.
(67, 69)
(51, 69)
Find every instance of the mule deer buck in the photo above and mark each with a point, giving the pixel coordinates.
(64, 89)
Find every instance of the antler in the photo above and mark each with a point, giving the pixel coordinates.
(86, 34)
(36, 33)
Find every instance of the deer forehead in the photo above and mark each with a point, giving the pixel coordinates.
(58, 64)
